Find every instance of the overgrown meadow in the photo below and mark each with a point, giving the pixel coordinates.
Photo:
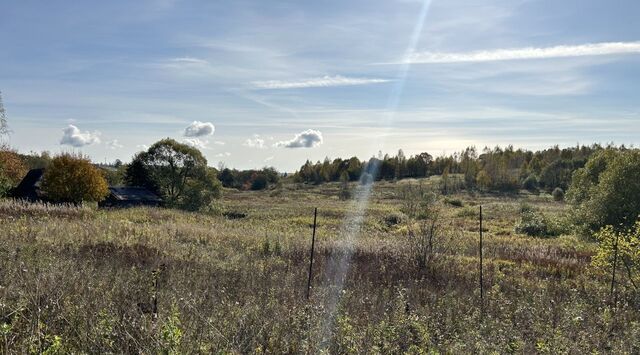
(143, 280)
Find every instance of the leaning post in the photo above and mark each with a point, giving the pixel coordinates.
(313, 243)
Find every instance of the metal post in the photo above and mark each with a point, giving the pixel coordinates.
(481, 276)
(154, 300)
(313, 243)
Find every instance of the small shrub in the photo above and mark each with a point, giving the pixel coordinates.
(456, 202)
(467, 211)
(345, 194)
(530, 183)
(625, 244)
(259, 182)
(266, 247)
(427, 238)
(558, 194)
(171, 333)
(532, 223)
(394, 219)
(559, 225)
(200, 194)
(277, 191)
(215, 208)
(345, 191)
(5, 185)
(277, 247)
(234, 215)
(525, 207)
(416, 199)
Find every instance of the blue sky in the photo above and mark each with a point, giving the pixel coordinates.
(256, 83)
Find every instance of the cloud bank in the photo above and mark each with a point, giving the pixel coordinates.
(306, 139)
(590, 49)
(74, 137)
(199, 129)
(325, 81)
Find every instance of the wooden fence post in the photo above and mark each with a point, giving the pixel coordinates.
(313, 243)
(481, 275)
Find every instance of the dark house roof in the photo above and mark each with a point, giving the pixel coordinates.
(127, 196)
(127, 193)
(29, 187)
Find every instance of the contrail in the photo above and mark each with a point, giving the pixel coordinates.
(339, 262)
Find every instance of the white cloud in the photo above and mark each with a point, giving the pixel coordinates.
(199, 129)
(219, 143)
(563, 51)
(114, 144)
(142, 146)
(188, 60)
(196, 143)
(221, 155)
(306, 139)
(185, 67)
(184, 63)
(255, 142)
(325, 81)
(74, 137)
(268, 159)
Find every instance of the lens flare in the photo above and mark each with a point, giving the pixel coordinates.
(339, 262)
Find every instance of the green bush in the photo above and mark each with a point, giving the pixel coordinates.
(5, 185)
(394, 219)
(200, 194)
(558, 194)
(259, 182)
(625, 244)
(605, 192)
(530, 183)
(345, 191)
(533, 223)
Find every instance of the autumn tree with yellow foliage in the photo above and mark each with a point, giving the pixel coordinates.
(72, 178)
(12, 169)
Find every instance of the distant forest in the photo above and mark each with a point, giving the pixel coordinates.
(497, 169)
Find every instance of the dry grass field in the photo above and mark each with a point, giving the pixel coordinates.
(79, 280)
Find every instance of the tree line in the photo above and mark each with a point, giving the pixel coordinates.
(177, 172)
(492, 169)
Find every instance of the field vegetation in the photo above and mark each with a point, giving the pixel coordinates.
(233, 280)
(223, 266)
